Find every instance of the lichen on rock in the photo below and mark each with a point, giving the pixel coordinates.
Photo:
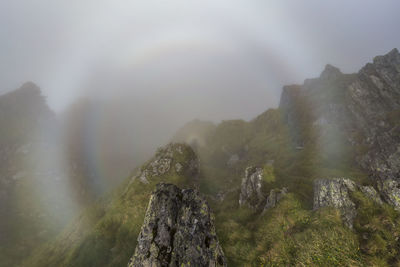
(336, 193)
(390, 190)
(371, 193)
(251, 189)
(373, 100)
(178, 157)
(178, 230)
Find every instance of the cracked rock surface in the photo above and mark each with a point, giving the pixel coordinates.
(250, 191)
(178, 157)
(336, 193)
(178, 230)
(390, 190)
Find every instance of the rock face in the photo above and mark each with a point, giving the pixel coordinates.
(320, 97)
(336, 193)
(290, 103)
(352, 112)
(251, 190)
(178, 230)
(371, 193)
(390, 190)
(177, 157)
(374, 102)
(275, 195)
(365, 106)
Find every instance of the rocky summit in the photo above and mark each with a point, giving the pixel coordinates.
(178, 230)
(177, 158)
(362, 109)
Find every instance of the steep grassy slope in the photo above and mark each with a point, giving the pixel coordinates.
(303, 141)
(106, 233)
(266, 141)
(289, 234)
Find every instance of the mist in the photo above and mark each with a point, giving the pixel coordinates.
(119, 78)
(159, 64)
(139, 70)
(223, 59)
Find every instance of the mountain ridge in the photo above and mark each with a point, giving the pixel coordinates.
(312, 146)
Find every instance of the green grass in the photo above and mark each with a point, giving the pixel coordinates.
(288, 235)
(106, 233)
(378, 227)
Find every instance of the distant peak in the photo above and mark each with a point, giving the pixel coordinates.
(393, 52)
(30, 85)
(30, 88)
(330, 72)
(393, 55)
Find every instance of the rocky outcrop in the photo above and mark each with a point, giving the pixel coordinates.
(176, 157)
(390, 191)
(374, 103)
(251, 190)
(178, 230)
(275, 195)
(336, 193)
(315, 112)
(346, 113)
(371, 193)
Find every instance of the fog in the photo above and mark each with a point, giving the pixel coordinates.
(220, 59)
(145, 68)
(123, 76)
(148, 67)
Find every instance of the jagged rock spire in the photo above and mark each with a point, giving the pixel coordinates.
(178, 230)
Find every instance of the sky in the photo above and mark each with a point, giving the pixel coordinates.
(209, 59)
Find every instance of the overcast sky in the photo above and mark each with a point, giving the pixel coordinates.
(211, 59)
